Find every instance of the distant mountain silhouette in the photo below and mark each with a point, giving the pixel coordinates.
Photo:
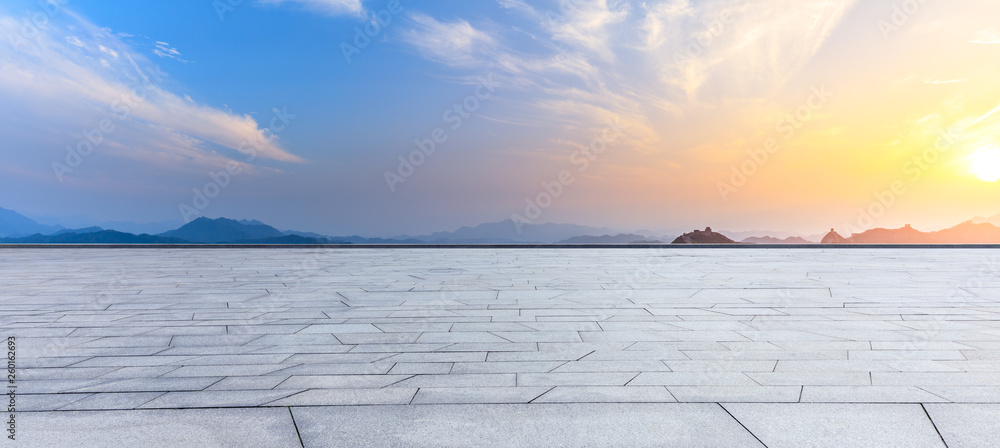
(773, 240)
(506, 232)
(305, 234)
(995, 220)
(18, 229)
(833, 238)
(102, 237)
(624, 238)
(706, 236)
(13, 224)
(152, 228)
(287, 239)
(222, 230)
(968, 232)
(903, 235)
(251, 222)
(355, 239)
(80, 231)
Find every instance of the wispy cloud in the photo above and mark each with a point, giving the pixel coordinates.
(586, 26)
(594, 60)
(454, 43)
(73, 40)
(656, 24)
(950, 81)
(332, 7)
(164, 50)
(64, 84)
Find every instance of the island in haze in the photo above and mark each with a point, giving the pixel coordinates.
(706, 236)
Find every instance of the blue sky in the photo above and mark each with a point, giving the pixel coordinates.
(565, 79)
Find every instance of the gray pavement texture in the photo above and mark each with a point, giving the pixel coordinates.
(504, 347)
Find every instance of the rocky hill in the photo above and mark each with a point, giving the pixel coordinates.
(706, 236)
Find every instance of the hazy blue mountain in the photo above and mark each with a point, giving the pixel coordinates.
(251, 222)
(212, 231)
(152, 228)
(305, 234)
(286, 239)
(13, 224)
(354, 239)
(102, 237)
(81, 231)
(624, 238)
(504, 232)
(83, 221)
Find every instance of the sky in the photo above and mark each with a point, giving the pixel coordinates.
(381, 118)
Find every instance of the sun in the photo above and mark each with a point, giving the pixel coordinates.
(985, 164)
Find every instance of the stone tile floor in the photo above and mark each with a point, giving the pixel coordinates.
(509, 347)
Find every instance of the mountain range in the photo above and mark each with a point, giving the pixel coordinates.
(623, 238)
(508, 231)
(773, 240)
(968, 232)
(13, 224)
(18, 229)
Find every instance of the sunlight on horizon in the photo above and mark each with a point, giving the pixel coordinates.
(772, 114)
(985, 164)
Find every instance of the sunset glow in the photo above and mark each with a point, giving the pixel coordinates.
(363, 117)
(986, 164)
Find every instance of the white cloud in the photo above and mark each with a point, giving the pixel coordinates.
(64, 87)
(595, 60)
(332, 7)
(453, 43)
(518, 5)
(164, 50)
(988, 36)
(108, 51)
(656, 25)
(765, 44)
(585, 25)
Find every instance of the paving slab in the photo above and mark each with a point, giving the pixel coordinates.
(837, 425)
(793, 342)
(967, 425)
(568, 425)
(192, 427)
